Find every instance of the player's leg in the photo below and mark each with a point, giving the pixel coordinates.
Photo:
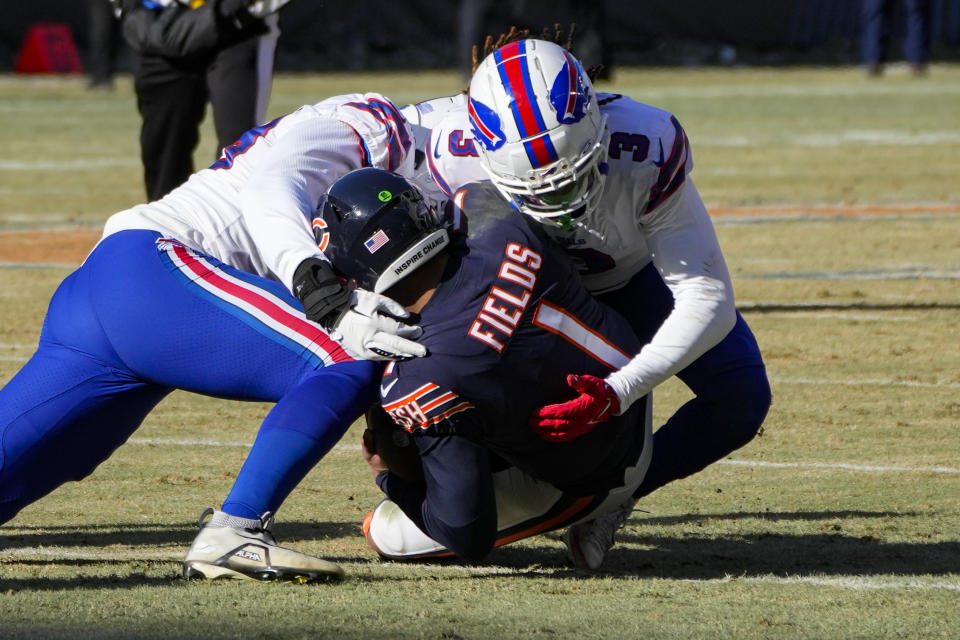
(296, 434)
(60, 417)
(234, 85)
(916, 38)
(527, 507)
(299, 431)
(222, 332)
(171, 98)
(213, 329)
(70, 406)
(732, 394)
(875, 25)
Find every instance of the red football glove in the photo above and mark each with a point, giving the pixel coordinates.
(561, 422)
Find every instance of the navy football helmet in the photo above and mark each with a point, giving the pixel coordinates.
(376, 227)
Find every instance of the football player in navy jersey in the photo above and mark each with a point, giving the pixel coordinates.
(608, 178)
(504, 318)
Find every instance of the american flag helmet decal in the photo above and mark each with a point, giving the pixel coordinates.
(375, 242)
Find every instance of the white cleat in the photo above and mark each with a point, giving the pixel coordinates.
(253, 554)
(588, 542)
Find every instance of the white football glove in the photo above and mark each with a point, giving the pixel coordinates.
(365, 330)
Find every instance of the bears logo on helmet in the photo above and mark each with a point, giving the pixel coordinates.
(320, 233)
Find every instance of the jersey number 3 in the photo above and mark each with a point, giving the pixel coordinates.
(633, 143)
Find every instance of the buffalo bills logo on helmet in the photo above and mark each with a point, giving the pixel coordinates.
(486, 126)
(569, 94)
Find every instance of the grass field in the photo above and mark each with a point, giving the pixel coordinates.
(837, 202)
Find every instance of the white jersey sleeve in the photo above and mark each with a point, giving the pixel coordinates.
(687, 255)
(422, 117)
(252, 209)
(307, 155)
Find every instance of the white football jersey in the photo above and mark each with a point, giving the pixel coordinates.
(650, 211)
(252, 208)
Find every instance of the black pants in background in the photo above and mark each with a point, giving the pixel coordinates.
(172, 95)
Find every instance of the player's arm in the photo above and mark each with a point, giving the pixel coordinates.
(452, 159)
(687, 255)
(455, 504)
(279, 200)
(452, 501)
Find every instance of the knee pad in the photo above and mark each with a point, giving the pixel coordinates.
(393, 535)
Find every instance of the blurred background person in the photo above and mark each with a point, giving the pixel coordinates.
(189, 54)
(878, 27)
(103, 44)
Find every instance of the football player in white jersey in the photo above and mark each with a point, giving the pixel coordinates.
(609, 180)
(218, 288)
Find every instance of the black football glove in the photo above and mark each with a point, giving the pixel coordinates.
(323, 296)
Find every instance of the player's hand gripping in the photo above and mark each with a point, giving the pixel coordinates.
(369, 450)
(368, 329)
(359, 319)
(596, 403)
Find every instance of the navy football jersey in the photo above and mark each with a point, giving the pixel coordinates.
(508, 322)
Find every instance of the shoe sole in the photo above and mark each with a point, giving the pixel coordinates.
(205, 571)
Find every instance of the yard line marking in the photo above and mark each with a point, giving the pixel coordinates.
(888, 273)
(838, 315)
(800, 90)
(38, 265)
(748, 306)
(744, 463)
(844, 582)
(214, 443)
(882, 382)
(836, 465)
(73, 553)
(188, 443)
(835, 139)
(80, 164)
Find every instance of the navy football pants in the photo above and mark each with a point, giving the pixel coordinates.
(729, 382)
(143, 316)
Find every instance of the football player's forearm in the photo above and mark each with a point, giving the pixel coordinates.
(688, 257)
(695, 326)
